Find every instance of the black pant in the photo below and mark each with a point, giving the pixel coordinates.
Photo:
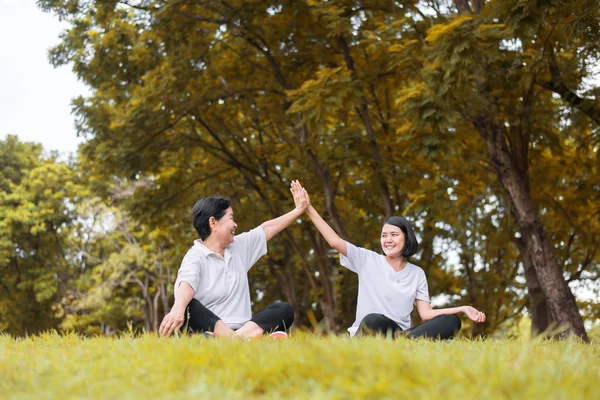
(441, 327)
(277, 316)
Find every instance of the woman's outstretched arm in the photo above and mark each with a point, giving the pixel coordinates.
(328, 233)
(426, 312)
(274, 226)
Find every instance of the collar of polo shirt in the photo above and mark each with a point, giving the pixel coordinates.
(206, 251)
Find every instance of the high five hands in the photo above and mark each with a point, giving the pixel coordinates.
(301, 199)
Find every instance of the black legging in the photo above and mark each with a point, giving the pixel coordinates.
(277, 316)
(444, 326)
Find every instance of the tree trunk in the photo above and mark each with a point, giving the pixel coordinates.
(327, 302)
(281, 272)
(513, 176)
(363, 112)
(328, 296)
(463, 6)
(162, 288)
(155, 310)
(538, 306)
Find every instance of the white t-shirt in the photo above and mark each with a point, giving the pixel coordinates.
(221, 283)
(383, 290)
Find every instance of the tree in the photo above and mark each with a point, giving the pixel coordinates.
(467, 61)
(36, 214)
(360, 100)
(126, 274)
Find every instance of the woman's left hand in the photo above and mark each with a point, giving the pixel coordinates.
(301, 199)
(474, 314)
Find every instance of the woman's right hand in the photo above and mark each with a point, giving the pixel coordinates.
(171, 322)
(473, 314)
(301, 199)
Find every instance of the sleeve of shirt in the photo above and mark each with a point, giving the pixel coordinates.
(250, 246)
(356, 257)
(422, 288)
(190, 271)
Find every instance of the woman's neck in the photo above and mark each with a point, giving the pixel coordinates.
(397, 263)
(214, 245)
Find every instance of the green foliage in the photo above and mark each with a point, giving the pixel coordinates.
(369, 104)
(15, 159)
(37, 213)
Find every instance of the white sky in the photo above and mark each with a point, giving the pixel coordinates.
(35, 98)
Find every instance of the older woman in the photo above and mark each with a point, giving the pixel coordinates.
(389, 285)
(212, 282)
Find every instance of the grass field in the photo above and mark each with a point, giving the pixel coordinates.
(53, 366)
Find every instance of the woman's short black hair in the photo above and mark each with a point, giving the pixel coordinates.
(212, 206)
(411, 245)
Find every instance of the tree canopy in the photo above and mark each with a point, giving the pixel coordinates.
(476, 120)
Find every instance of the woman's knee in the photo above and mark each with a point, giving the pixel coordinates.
(374, 324)
(286, 311)
(454, 322)
(451, 321)
(441, 327)
(372, 320)
(198, 318)
(194, 305)
(282, 307)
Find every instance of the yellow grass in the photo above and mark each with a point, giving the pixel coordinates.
(53, 366)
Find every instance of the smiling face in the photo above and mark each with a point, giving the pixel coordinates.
(223, 230)
(392, 240)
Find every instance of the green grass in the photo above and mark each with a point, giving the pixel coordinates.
(53, 366)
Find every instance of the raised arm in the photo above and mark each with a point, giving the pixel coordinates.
(328, 233)
(276, 225)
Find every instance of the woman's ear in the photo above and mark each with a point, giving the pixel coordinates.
(212, 223)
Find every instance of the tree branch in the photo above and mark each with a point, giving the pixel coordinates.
(463, 6)
(557, 85)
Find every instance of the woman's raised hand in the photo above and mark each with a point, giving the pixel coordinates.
(301, 199)
(474, 314)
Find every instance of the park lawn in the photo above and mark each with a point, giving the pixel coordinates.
(53, 366)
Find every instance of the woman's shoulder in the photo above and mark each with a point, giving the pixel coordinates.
(363, 251)
(415, 269)
(251, 236)
(196, 253)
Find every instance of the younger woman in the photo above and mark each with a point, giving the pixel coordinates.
(389, 285)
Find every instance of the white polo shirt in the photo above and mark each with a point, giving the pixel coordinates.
(383, 290)
(221, 283)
